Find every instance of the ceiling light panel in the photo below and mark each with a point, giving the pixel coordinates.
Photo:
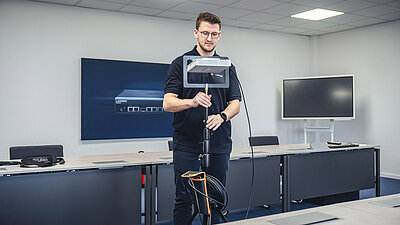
(317, 14)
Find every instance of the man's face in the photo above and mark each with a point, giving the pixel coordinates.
(207, 36)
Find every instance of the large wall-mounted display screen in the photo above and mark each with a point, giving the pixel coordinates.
(123, 99)
(326, 97)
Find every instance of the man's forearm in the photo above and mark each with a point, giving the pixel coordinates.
(232, 110)
(214, 121)
(173, 104)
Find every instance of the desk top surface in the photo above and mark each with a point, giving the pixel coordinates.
(358, 212)
(153, 158)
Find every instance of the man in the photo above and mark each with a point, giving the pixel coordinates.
(188, 105)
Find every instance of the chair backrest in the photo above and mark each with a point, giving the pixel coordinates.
(170, 145)
(263, 140)
(20, 152)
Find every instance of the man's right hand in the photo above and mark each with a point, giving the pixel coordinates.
(201, 99)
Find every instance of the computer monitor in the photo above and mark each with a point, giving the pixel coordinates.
(322, 97)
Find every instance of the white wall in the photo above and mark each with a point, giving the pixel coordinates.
(40, 49)
(373, 55)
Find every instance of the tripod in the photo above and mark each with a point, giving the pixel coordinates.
(214, 195)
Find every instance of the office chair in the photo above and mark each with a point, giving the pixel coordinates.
(20, 152)
(170, 145)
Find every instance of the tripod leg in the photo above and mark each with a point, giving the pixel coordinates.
(222, 216)
(191, 219)
(206, 219)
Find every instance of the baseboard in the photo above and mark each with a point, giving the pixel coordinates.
(390, 175)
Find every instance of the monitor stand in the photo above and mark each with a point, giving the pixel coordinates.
(330, 129)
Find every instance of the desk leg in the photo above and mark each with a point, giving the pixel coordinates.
(285, 184)
(149, 190)
(377, 172)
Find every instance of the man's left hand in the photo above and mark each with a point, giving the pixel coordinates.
(214, 121)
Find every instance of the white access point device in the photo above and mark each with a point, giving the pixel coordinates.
(199, 71)
(209, 65)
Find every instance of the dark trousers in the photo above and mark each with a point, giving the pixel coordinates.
(187, 161)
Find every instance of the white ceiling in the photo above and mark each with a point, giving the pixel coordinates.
(270, 15)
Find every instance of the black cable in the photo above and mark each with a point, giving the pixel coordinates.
(210, 198)
(251, 146)
(217, 190)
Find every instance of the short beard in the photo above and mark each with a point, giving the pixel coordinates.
(206, 50)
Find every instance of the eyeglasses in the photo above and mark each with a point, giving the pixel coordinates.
(214, 35)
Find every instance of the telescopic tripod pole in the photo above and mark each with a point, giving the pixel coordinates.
(205, 164)
(206, 155)
(206, 143)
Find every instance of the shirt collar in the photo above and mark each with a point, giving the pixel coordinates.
(195, 52)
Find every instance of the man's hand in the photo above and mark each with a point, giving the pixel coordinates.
(201, 99)
(214, 121)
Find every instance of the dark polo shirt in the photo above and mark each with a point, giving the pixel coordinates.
(188, 124)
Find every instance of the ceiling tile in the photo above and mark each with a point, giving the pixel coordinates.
(177, 15)
(315, 25)
(100, 4)
(344, 18)
(272, 15)
(217, 2)
(255, 5)
(267, 27)
(64, 2)
(164, 4)
(292, 30)
(232, 13)
(195, 7)
(288, 22)
(390, 16)
(315, 3)
(287, 9)
(259, 17)
(395, 3)
(376, 11)
(337, 28)
(240, 23)
(350, 5)
(381, 1)
(140, 10)
(366, 22)
(313, 32)
(119, 1)
(224, 20)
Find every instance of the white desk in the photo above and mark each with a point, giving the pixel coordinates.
(361, 212)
